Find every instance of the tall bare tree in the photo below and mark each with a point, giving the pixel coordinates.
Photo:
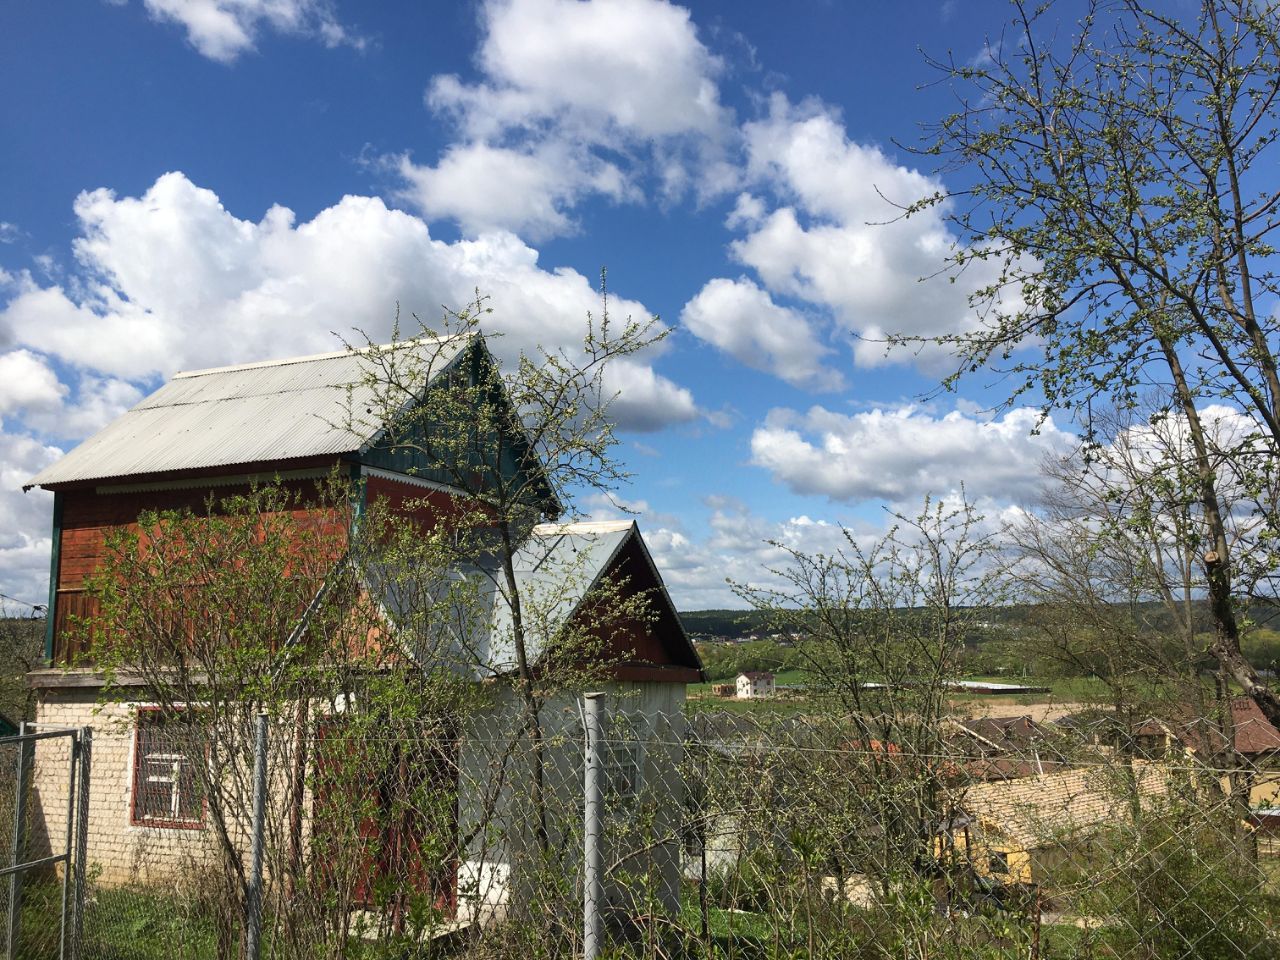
(1120, 176)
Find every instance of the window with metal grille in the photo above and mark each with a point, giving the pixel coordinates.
(169, 751)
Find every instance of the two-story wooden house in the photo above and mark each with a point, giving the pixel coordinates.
(211, 432)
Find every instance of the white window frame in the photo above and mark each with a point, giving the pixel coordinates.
(622, 761)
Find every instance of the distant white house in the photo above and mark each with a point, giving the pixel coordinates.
(755, 683)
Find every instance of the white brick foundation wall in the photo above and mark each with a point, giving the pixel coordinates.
(118, 851)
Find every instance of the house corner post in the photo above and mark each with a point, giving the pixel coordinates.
(592, 881)
(55, 560)
(253, 898)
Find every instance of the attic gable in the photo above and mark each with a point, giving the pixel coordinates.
(471, 441)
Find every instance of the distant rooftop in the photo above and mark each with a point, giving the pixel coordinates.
(1033, 810)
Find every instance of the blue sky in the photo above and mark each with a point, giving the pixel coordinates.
(186, 183)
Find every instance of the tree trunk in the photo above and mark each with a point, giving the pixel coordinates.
(1217, 565)
(529, 698)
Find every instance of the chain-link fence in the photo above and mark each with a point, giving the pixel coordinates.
(42, 879)
(721, 835)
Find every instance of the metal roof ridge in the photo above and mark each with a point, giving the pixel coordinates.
(582, 526)
(312, 358)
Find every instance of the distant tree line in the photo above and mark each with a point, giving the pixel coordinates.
(991, 644)
(21, 650)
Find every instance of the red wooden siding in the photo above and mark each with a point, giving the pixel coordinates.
(653, 649)
(408, 809)
(425, 506)
(89, 518)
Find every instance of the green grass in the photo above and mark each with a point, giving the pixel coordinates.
(119, 924)
(153, 924)
(1064, 940)
(791, 678)
(1089, 691)
(724, 925)
(1085, 691)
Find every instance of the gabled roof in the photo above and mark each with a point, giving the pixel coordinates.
(1033, 811)
(251, 413)
(1254, 734)
(556, 569)
(995, 734)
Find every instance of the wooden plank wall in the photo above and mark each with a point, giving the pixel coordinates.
(89, 518)
(425, 506)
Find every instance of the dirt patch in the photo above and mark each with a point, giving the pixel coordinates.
(1004, 707)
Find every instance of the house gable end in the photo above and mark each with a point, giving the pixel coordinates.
(658, 649)
(405, 447)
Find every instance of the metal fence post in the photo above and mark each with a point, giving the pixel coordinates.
(253, 905)
(592, 886)
(85, 746)
(25, 758)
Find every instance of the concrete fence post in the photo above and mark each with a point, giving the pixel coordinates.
(592, 788)
(253, 896)
(84, 744)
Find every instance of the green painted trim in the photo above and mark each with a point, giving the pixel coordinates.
(362, 489)
(54, 562)
(479, 366)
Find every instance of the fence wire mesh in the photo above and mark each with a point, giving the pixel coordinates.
(37, 880)
(724, 835)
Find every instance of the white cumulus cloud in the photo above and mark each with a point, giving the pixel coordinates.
(577, 98)
(27, 383)
(824, 226)
(32, 395)
(25, 518)
(530, 190)
(222, 30)
(637, 65)
(172, 280)
(901, 455)
(743, 320)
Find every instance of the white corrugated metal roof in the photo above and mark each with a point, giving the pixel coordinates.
(555, 570)
(227, 416)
